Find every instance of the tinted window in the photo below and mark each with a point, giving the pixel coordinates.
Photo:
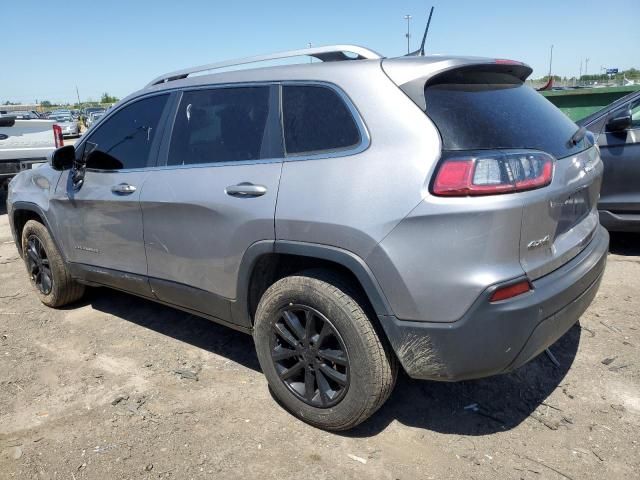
(125, 139)
(315, 118)
(220, 125)
(635, 115)
(482, 110)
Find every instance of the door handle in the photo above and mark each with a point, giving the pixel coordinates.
(123, 189)
(245, 189)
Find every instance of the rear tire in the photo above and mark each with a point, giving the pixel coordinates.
(369, 370)
(47, 271)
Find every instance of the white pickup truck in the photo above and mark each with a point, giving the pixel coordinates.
(24, 144)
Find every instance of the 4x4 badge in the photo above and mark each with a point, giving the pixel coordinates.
(539, 243)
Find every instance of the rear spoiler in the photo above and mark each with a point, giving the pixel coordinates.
(411, 75)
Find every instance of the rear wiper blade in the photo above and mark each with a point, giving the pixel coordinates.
(578, 136)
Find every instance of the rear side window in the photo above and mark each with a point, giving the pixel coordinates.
(316, 119)
(484, 110)
(124, 140)
(220, 125)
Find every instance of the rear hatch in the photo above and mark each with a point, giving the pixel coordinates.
(487, 107)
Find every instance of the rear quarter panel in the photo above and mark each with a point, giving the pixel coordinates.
(353, 201)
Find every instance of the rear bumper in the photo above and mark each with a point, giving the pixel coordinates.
(620, 222)
(498, 337)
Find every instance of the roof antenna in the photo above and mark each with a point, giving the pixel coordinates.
(420, 51)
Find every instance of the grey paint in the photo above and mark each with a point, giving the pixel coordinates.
(419, 257)
(195, 233)
(99, 227)
(619, 203)
(453, 248)
(496, 337)
(411, 73)
(353, 202)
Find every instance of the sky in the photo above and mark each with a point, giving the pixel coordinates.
(118, 46)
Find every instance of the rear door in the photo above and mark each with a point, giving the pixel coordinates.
(100, 220)
(620, 153)
(486, 107)
(214, 196)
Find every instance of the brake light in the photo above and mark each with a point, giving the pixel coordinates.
(492, 173)
(57, 136)
(511, 291)
(505, 61)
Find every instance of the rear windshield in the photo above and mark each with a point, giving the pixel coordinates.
(483, 110)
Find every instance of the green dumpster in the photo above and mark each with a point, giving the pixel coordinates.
(581, 102)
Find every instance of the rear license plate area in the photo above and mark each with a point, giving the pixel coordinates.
(573, 209)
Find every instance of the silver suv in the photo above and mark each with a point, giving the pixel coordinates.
(353, 215)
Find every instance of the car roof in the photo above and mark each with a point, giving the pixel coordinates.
(335, 65)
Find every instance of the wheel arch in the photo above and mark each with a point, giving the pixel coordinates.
(21, 213)
(267, 261)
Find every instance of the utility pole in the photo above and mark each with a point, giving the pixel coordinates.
(408, 34)
(586, 66)
(78, 95)
(580, 76)
(550, 62)
(310, 58)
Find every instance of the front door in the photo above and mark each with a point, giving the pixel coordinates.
(214, 196)
(99, 217)
(620, 152)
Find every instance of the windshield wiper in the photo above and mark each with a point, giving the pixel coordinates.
(577, 136)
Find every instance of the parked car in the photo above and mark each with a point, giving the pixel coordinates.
(24, 115)
(617, 131)
(24, 144)
(87, 112)
(70, 127)
(355, 215)
(94, 117)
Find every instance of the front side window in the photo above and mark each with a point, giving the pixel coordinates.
(220, 125)
(124, 140)
(316, 119)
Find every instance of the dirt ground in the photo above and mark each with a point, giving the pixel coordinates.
(117, 387)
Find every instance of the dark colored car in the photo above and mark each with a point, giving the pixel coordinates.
(617, 132)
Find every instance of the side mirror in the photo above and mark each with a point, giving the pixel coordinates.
(63, 157)
(620, 120)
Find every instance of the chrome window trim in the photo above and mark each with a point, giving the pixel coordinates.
(364, 144)
(218, 164)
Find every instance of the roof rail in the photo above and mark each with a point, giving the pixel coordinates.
(329, 53)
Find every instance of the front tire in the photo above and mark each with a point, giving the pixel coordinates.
(47, 271)
(320, 352)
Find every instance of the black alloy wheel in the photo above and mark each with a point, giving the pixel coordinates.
(38, 264)
(310, 356)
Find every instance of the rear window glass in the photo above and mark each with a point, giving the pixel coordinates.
(220, 125)
(316, 119)
(484, 110)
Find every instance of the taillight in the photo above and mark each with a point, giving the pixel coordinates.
(57, 136)
(511, 291)
(493, 172)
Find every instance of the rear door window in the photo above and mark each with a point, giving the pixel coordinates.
(485, 110)
(222, 125)
(316, 119)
